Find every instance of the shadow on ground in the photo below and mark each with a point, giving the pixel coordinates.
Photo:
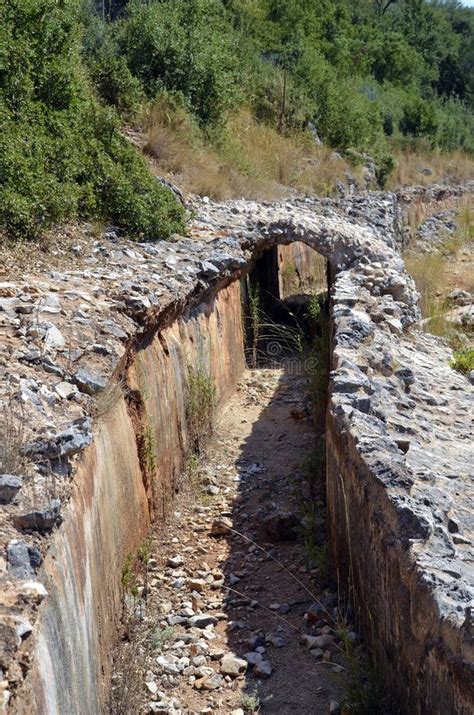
(275, 499)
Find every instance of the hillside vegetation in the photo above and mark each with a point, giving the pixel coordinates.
(236, 91)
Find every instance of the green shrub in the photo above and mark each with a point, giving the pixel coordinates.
(185, 46)
(455, 126)
(200, 404)
(115, 83)
(61, 152)
(419, 117)
(463, 361)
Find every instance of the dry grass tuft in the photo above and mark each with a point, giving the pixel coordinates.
(436, 274)
(428, 271)
(454, 167)
(246, 159)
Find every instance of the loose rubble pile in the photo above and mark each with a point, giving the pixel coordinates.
(223, 622)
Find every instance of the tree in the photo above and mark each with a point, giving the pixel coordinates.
(383, 5)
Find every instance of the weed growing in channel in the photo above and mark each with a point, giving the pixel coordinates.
(149, 448)
(361, 682)
(255, 311)
(200, 407)
(313, 534)
(316, 363)
(160, 637)
(129, 579)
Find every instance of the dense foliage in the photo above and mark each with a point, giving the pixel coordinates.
(369, 75)
(61, 151)
(362, 72)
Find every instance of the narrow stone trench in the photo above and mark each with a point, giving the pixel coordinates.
(224, 627)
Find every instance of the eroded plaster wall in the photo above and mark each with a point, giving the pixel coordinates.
(108, 515)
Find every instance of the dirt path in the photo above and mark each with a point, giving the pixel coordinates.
(254, 478)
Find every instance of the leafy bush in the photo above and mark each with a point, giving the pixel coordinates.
(115, 83)
(463, 361)
(185, 46)
(61, 152)
(455, 126)
(419, 118)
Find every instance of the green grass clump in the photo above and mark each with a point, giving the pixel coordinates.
(200, 407)
(361, 681)
(463, 361)
(61, 152)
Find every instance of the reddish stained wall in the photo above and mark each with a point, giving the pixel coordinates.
(301, 269)
(107, 516)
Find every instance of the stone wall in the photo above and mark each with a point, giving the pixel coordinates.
(399, 462)
(424, 659)
(301, 270)
(109, 511)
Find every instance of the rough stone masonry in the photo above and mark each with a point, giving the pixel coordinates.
(399, 457)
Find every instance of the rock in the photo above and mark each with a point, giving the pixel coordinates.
(253, 658)
(308, 641)
(334, 707)
(22, 559)
(65, 444)
(179, 583)
(152, 687)
(299, 412)
(89, 382)
(177, 620)
(460, 297)
(323, 641)
(406, 375)
(256, 640)
(54, 338)
(196, 584)
(22, 626)
(202, 620)
(238, 711)
(42, 520)
(316, 612)
(34, 590)
(263, 669)
(10, 485)
(109, 327)
(36, 558)
(233, 666)
(175, 562)
(209, 682)
(282, 526)
(65, 390)
(221, 526)
(275, 640)
(74, 439)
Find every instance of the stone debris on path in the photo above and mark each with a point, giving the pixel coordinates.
(211, 605)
